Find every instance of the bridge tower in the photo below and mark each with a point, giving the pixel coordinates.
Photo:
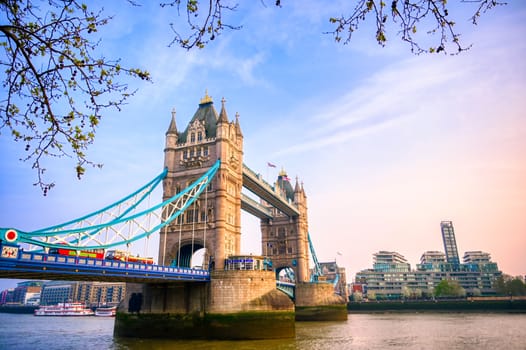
(285, 238)
(214, 222)
(235, 303)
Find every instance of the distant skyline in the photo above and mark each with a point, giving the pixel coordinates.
(386, 143)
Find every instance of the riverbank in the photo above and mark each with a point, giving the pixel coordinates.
(508, 306)
(18, 309)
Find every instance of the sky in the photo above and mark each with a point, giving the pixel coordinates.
(386, 143)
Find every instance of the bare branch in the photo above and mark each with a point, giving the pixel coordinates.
(409, 16)
(204, 24)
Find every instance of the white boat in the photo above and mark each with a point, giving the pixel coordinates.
(64, 309)
(106, 311)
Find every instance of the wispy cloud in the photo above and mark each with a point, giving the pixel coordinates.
(389, 97)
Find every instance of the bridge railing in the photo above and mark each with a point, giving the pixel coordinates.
(107, 264)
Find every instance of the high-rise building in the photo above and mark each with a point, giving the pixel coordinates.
(450, 243)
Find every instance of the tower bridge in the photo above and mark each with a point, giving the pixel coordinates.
(201, 209)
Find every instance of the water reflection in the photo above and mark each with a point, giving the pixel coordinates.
(406, 331)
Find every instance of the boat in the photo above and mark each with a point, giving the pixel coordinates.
(64, 309)
(106, 311)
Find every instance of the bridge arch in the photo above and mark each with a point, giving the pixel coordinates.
(285, 274)
(189, 254)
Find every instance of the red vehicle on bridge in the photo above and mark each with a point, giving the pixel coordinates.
(126, 256)
(92, 253)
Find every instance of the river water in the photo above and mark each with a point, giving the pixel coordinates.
(361, 331)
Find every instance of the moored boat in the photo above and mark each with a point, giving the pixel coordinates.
(64, 309)
(106, 311)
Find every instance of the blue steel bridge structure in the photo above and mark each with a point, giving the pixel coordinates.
(25, 255)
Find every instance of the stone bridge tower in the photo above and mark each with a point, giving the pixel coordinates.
(213, 221)
(284, 238)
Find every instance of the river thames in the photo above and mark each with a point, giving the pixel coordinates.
(361, 331)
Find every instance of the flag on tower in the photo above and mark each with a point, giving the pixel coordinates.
(270, 165)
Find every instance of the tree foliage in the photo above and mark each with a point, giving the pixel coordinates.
(506, 285)
(54, 86)
(449, 288)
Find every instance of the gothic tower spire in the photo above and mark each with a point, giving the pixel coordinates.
(214, 223)
(222, 115)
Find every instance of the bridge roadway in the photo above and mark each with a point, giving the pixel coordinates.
(254, 183)
(31, 265)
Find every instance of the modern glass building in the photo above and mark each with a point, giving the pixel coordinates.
(396, 280)
(450, 243)
(55, 292)
(390, 261)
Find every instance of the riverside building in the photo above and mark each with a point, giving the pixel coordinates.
(89, 293)
(396, 280)
(392, 277)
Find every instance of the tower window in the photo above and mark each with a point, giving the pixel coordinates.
(185, 154)
(205, 151)
(189, 216)
(192, 137)
(199, 136)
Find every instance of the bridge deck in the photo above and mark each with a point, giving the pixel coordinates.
(29, 265)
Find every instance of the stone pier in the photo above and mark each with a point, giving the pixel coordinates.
(234, 305)
(317, 302)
